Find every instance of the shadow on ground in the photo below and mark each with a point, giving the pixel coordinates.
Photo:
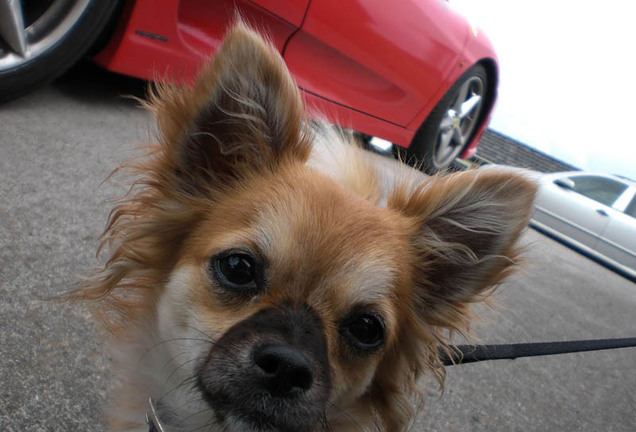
(90, 83)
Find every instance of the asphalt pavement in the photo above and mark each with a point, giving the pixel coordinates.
(59, 144)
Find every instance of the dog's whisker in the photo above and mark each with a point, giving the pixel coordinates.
(177, 355)
(190, 416)
(342, 411)
(171, 340)
(198, 330)
(324, 423)
(208, 337)
(204, 426)
(189, 380)
(173, 359)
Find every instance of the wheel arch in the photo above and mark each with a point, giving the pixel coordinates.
(492, 72)
(420, 148)
(69, 35)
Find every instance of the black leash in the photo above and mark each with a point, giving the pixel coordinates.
(460, 354)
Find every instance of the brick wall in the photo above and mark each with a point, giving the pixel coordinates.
(497, 148)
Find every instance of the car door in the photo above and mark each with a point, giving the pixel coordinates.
(618, 241)
(382, 58)
(580, 207)
(292, 11)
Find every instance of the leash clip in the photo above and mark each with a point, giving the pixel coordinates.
(151, 418)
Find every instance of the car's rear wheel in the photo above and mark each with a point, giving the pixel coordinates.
(452, 123)
(41, 39)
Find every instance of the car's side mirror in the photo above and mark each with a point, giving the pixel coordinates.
(564, 183)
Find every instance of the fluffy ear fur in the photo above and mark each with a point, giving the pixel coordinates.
(242, 117)
(243, 114)
(467, 228)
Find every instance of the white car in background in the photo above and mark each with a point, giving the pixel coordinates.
(595, 213)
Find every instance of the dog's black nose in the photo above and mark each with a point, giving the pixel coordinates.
(283, 369)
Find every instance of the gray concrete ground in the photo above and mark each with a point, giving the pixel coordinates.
(57, 146)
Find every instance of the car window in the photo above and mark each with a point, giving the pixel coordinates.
(601, 189)
(631, 208)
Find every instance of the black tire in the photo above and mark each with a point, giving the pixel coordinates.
(427, 150)
(69, 42)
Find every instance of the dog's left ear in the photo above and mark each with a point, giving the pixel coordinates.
(243, 114)
(467, 227)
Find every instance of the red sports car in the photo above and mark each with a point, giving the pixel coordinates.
(412, 72)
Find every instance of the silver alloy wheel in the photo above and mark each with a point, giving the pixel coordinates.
(458, 122)
(26, 34)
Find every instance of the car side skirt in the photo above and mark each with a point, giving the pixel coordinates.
(585, 250)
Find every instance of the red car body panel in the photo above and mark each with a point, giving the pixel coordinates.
(292, 11)
(342, 54)
(171, 39)
(356, 63)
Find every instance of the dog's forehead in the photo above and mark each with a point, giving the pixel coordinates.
(325, 239)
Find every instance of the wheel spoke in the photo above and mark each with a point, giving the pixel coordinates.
(462, 95)
(468, 106)
(459, 137)
(447, 121)
(444, 145)
(445, 142)
(12, 29)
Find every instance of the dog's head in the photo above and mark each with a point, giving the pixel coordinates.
(291, 299)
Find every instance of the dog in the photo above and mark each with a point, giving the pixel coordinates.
(264, 274)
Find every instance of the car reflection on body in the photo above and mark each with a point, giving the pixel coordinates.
(594, 213)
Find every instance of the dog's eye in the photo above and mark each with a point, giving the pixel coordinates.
(364, 331)
(237, 271)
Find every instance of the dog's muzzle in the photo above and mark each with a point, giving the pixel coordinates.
(269, 372)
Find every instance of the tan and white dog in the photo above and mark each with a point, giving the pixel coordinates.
(265, 275)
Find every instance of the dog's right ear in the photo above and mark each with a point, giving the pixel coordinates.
(244, 114)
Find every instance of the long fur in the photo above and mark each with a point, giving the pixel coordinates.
(241, 131)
